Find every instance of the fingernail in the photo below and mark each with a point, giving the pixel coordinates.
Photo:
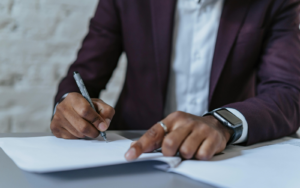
(108, 121)
(130, 155)
(102, 126)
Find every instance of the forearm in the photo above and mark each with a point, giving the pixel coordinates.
(271, 115)
(99, 53)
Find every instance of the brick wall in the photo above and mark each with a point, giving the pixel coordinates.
(38, 41)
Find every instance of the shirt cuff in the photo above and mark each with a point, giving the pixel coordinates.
(238, 114)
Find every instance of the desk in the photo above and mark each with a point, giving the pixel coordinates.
(127, 175)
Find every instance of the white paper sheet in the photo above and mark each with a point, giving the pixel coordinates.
(277, 164)
(49, 154)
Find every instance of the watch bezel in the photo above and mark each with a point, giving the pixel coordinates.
(225, 121)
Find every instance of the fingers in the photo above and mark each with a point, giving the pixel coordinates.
(174, 139)
(60, 132)
(66, 134)
(75, 123)
(77, 127)
(79, 124)
(75, 118)
(148, 142)
(64, 123)
(83, 108)
(211, 146)
(106, 112)
(192, 143)
(192, 136)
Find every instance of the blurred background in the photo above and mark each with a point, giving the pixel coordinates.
(39, 39)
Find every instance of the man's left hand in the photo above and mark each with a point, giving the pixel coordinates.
(193, 136)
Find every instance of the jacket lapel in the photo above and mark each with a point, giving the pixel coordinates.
(232, 18)
(163, 12)
(162, 24)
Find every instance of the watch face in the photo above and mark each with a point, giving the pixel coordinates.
(235, 121)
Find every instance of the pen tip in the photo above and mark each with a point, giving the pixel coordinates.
(103, 134)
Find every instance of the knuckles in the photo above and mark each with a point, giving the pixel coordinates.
(177, 115)
(108, 111)
(95, 119)
(210, 132)
(206, 130)
(203, 127)
(84, 111)
(84, 129)
(169, 143)
(186, 152)
(214, 134)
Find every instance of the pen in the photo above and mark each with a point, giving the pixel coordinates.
(86, 95)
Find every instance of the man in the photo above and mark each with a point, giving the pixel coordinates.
(238, 60)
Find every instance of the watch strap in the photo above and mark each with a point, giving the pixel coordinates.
(237, 132)
(236, 135)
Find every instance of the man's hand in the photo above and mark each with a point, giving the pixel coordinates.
(75, 118)
(192, 136)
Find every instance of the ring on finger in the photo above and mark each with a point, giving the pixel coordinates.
(163, 126)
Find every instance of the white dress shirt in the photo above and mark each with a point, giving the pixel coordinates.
(195, 33)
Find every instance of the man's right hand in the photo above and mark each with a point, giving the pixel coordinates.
(75, 118)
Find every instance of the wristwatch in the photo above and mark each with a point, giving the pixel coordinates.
(229, 120)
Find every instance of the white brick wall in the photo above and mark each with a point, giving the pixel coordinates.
(38, 41)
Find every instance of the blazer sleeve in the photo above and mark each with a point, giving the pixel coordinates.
(99, 53)
(274, 111)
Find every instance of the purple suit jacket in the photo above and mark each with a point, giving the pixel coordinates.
(256, 64)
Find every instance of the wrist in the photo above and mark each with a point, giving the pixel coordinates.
(226, 131)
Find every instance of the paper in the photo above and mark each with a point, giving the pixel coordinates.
(275, 165)
(49, 154)
(272, 164)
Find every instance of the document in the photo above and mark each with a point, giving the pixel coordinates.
(269, 165)
(50, 154)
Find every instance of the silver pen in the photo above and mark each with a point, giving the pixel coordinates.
(86, 95)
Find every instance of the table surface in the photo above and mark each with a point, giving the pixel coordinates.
(140, 174)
